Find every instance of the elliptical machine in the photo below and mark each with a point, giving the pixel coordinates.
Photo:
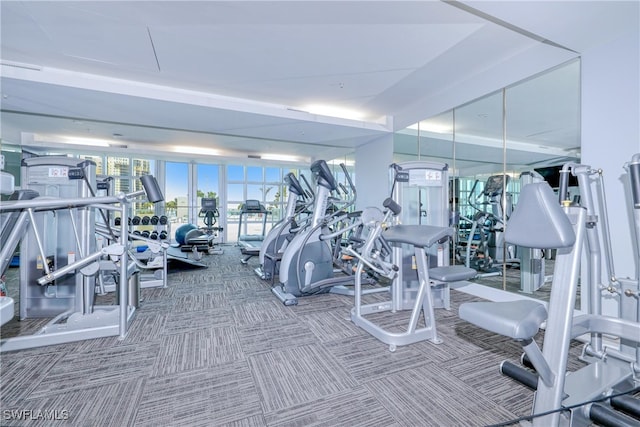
(306, 267)
(282, 232)
(201, 240)
(491, 248)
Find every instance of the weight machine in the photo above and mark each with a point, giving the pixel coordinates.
(58, 256)
(409, 252)
(532, 260)
(594, 392)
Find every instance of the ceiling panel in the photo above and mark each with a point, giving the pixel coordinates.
(241, 69)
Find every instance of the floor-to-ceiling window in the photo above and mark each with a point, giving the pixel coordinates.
(252, 183)
(185, 184)
(262, 183)
(141, 167)
(208, 186)
(176, 194)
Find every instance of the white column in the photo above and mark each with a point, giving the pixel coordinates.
(372, 171)
(610, 132)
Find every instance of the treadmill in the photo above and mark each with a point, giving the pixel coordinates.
(250, 244)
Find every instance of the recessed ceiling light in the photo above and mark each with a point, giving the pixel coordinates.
(327, 110)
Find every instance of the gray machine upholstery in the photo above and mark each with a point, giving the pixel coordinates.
(417, 235)
(563, 396)
(537, 222)
(519, 320)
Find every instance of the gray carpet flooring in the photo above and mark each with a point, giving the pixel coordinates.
(216, 348)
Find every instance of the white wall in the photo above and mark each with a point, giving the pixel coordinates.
(372, 171)
(611, 134)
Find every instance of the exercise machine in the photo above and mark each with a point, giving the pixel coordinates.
(209, 214)
(282, 232)
(201, 240)
(7, 187)
(148, 249)
(250, 244)
(409, 252)
(307, 266)
(489, 249)
(532, 260)
(421, 189)
(567, 398)
(59, 177)
(58, 256)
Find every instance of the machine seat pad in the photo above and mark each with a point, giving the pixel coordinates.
(417, 235)
(452, 273)
(519, 320)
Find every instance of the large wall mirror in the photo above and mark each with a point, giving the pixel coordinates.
(493, 146)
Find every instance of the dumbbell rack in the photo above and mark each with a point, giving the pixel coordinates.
(161, 227)
(154, 275)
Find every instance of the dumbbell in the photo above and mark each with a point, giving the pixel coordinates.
(129, 221)
(145, 220)
(163, 235)
(155, 219)
(136, 232)
(153, 235)
(135, 220)
(145, 233)
(117, 221)
(163, 220)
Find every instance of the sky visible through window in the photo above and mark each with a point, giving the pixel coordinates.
(177, 180)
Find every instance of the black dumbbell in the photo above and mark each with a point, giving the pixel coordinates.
(135, 220)
(155, 219)
(129, 221)
(154, 235)
(145, 233)
(163, 234)
(136, 232)
(163, 220)
(145, 220)
(117, 221)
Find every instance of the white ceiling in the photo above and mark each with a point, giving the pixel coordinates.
(239, 76)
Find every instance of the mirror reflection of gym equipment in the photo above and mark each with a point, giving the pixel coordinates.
(484, 248)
